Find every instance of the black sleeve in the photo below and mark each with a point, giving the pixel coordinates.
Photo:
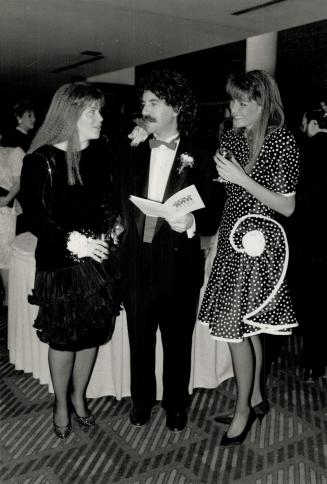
(36, 198)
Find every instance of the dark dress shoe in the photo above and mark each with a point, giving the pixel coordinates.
(310, 375)
(139, 416)
(261, 409)
(176, 421)
(239, 439)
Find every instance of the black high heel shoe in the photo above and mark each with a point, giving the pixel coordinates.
(62, 432)
(88, 421)
(239, 439)
(261, 409)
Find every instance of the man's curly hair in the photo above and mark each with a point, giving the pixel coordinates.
(176, 91)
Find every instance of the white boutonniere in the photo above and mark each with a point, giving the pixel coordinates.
(185, 161)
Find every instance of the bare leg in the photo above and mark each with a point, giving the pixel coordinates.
(84, 363)
(61, 368)
(242, 359)
(257, 348)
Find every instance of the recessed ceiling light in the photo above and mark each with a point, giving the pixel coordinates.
(77, 64)
(257, 7)
(90, 52)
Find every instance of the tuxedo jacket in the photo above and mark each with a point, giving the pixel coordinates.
(172, 261)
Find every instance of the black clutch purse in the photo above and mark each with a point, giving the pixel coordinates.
(4, 193)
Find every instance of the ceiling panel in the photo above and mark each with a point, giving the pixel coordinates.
(38, 37)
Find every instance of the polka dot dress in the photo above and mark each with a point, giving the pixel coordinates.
(246, 292)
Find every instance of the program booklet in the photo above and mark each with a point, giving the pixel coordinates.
(185, 201)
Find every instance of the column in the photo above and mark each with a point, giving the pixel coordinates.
(261, 52)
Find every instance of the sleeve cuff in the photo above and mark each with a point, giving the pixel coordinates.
(192, 229)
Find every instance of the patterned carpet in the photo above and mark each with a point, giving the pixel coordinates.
(289, 447)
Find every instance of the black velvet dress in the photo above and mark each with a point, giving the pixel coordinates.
(78, 298)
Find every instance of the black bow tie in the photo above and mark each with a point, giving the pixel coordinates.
(154, 143)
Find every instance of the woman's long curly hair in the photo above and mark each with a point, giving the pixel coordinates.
(176, 91)
(259, 86)
(60, 123)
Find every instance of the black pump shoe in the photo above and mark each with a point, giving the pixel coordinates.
(62, 432)
(88, 421)
(239, 439)
(261, 409)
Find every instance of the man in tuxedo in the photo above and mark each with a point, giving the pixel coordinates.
(162, 260)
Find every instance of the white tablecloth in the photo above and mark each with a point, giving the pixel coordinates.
(211, 363)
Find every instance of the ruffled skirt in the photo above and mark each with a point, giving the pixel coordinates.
(247, 293)
(78, 305)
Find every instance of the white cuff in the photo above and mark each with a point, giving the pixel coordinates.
(192, 229)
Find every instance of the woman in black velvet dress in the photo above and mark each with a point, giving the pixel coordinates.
(68, 201)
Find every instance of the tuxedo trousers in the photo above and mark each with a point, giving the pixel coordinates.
(174, 310)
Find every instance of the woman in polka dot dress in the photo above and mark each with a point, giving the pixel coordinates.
(246, 292)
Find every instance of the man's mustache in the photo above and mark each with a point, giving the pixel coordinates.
(149, 118)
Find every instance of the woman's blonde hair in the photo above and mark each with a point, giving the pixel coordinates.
(259, 86)
(60, 123)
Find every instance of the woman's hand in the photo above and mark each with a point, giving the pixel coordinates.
(182, 223)
(139, 133)
(97, 249)
(82, 246)
(230, 170)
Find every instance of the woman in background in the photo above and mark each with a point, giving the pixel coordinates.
(246, 294)
(11, 160)
(68, 202)
(24, 114)
(21, 136)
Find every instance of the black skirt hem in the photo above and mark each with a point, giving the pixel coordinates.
(77, 305)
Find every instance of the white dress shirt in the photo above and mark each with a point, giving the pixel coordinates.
(161, 162)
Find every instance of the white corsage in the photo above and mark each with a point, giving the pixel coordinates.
(254, 243)
(186, 160)
(138, 135)
(77, 244)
